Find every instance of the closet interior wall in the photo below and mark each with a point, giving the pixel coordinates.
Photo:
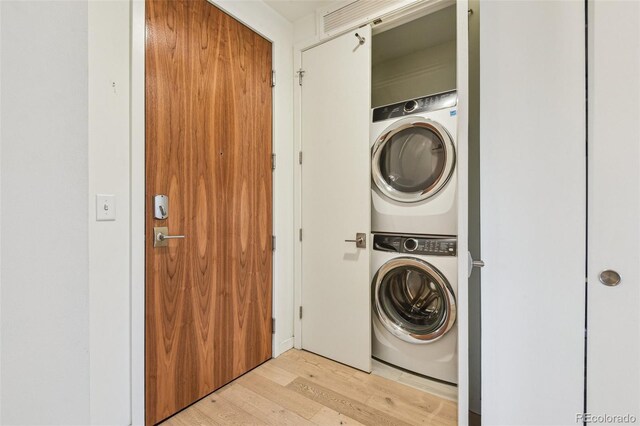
(414, 59)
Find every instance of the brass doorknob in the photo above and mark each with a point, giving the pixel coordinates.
(610, 278)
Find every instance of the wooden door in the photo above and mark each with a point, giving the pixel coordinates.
(613, 318)
(336, 204)
(208, 148)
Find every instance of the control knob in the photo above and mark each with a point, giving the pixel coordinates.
(410, 244)
(410, 106)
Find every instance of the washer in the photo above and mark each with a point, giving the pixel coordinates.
(413, 158)
(413, 299)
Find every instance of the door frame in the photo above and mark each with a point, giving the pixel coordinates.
(462, 58)
(282, 339)
(462, 158)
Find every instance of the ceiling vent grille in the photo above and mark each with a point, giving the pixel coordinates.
(356, 12)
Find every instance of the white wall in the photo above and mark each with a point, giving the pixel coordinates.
(109, 163)
(532, 124)
(304, 29)
(44, 169)
(420, 73)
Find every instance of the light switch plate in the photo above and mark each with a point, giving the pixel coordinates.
(105, 207)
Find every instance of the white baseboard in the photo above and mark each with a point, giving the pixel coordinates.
(283, 347)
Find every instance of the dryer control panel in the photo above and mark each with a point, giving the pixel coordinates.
(410, 244)
(415, 106)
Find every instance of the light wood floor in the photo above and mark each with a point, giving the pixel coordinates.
(300, 388)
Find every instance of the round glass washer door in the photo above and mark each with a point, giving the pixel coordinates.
(412, 160)
(413, 300)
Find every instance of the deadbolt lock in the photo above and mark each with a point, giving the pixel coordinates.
(160, 207)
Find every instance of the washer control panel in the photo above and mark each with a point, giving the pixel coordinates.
(414, 106)
(426, 246)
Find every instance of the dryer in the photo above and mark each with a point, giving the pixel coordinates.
(413, 159)
(413, 301)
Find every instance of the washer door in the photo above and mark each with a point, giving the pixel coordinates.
(412, 160)
(413, 300)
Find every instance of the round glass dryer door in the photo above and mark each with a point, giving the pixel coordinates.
(412, 160)
(413, 300)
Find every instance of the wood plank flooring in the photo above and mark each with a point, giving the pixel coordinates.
(300, 388)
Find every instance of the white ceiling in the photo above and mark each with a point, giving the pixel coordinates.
(296, 9)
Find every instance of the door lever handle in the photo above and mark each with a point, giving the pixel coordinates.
(361, 240)
(161, 237)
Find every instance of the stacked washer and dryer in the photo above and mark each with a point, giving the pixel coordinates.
(414, 227)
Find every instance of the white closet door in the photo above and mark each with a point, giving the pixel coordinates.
(335, 191)
(613, 313)
(533, 210)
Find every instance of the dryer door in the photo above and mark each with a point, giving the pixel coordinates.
(413, 300)
(412, 160)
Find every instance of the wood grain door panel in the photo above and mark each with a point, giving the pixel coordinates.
(208, 147)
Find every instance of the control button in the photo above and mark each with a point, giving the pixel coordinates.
(410, 106)
(410, 244)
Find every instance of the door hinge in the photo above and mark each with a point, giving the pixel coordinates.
(300, 312)
(273, 161)
(273, 242)
(300, 234)
(300, 73)
(273, 326)
(300, 157)
(273, 78)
